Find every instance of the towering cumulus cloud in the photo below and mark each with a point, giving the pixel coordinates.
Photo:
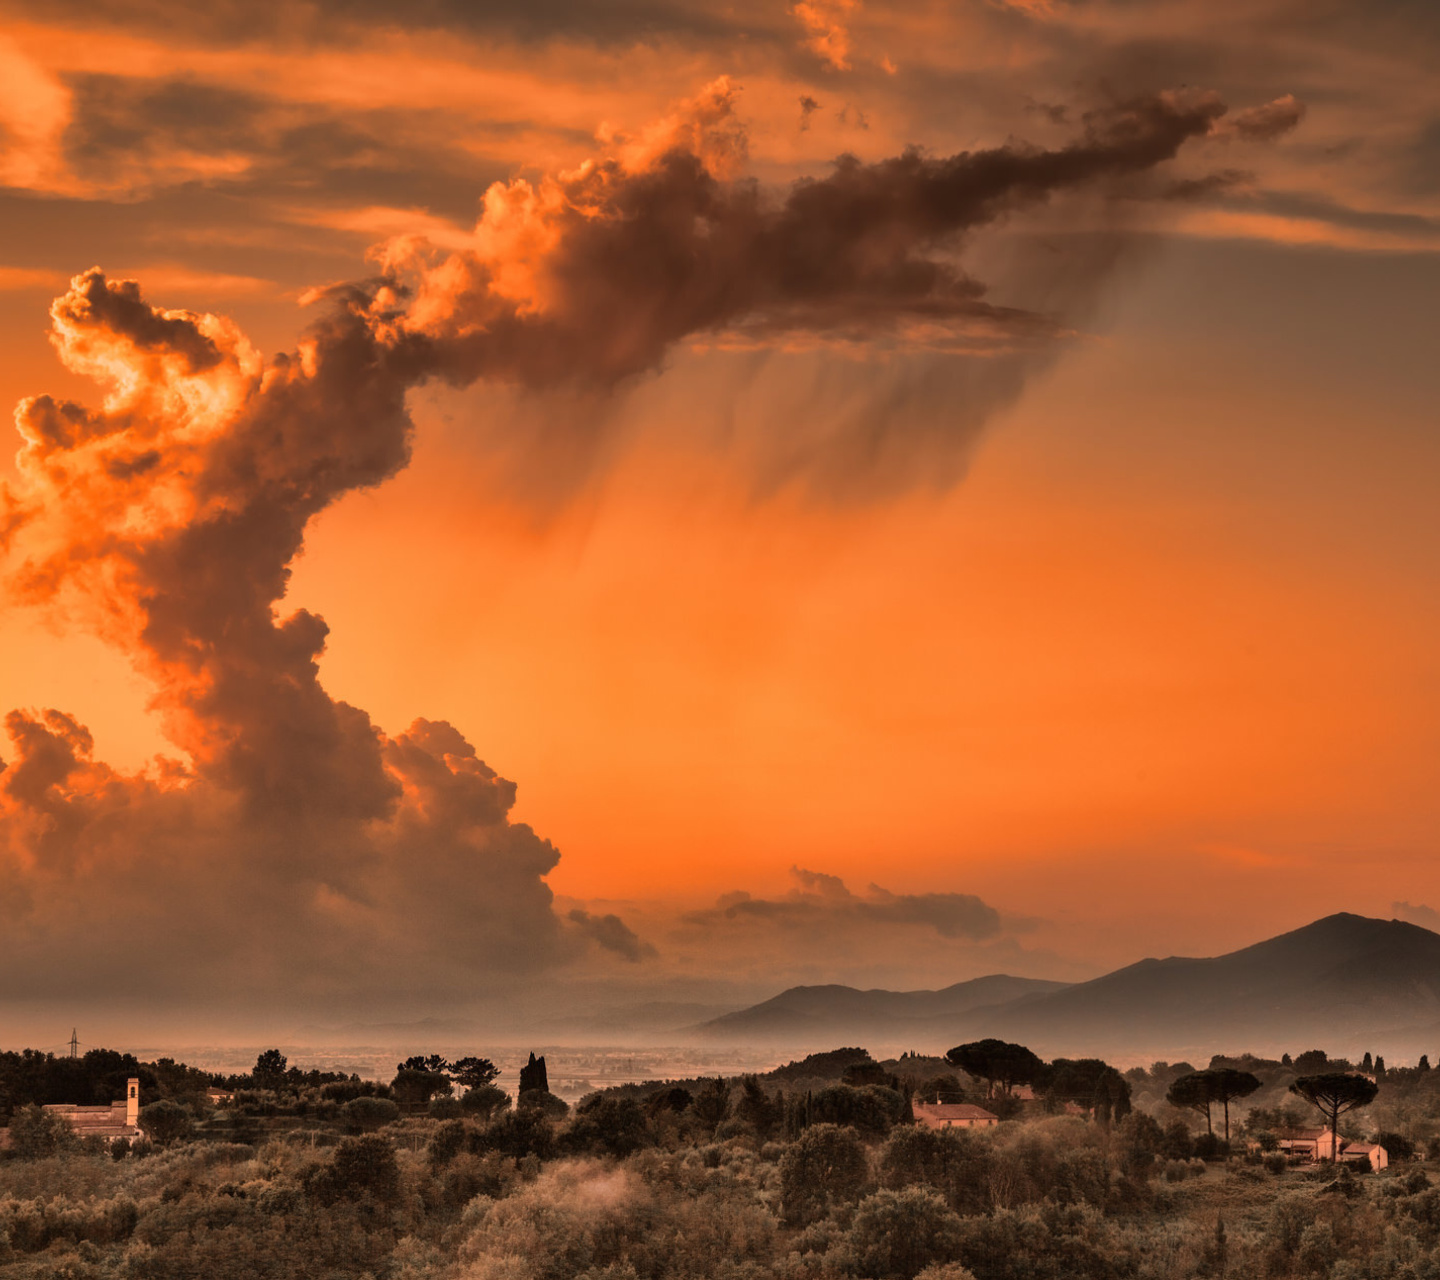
(291, 844)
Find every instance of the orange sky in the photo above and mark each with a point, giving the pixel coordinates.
(1139, 650)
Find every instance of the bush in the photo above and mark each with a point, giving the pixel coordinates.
(360, 1167)
(897, 1234)
(36, 1133)
(825, 1166)
(953, 1162)
(870, 1108)
(365, 1113)
(165, 1122)
(608, 1126)
(1397, 1146)
(1210, 1147)
(543, 1101)
(520, 1133)
(349, 1090)
(1178, 1144)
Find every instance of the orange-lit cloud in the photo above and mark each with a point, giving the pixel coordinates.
(294, 840)
(828, 37)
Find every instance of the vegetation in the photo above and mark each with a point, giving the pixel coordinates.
(815, 1171)
(1335, 1093)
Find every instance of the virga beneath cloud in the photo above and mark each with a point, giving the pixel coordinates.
(293, 844)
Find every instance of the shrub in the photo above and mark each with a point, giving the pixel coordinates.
(870, 1108)
(359, 1167)
(1210, 1147)
(825, 1166)
(606, 1125)
(897, 1234)
(543, 1101)
(1397, 1146)
(366, 1113)
(36, 1133)
(165, 1122)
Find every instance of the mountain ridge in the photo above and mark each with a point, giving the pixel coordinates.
(1339, 982)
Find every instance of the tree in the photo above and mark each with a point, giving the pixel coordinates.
(534, 1076)
(871, 1109)
(544, 1101)
(485, 1101)
(269, 1070)
(897, 1234)
(35, 1132)
(473, 1073)
(433, 1063)
(1424, 1063)
(1226, 1085)
(360, 1167)
(1089, 1083)
(712, 1103)
(165, 1122)
(999, 1063)
(1141, 1140)
(1334, 1094)
(608, 1126)
(824, 1166)
(1192, 1091)
(370, 1113)
(413, 1087)
(757, 1108)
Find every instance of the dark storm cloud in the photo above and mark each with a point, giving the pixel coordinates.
(143, 133)
(612, 934)
(298, 845)
(643, 258)
(821, 901)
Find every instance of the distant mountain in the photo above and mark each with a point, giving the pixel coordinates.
(1345, 984)
(830, 1014)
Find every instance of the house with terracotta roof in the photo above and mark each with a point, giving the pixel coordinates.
(1371, 1153)
(117, 1120)
(1317, 1144)
(953, 1115)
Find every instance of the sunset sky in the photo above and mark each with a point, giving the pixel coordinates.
(1011, 548)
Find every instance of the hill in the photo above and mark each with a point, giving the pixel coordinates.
(832, 1014)
(1346, 983)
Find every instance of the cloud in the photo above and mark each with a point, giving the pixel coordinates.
(1268, 121)
(293, 844)
(613, 934)
(595, 274)
(823, 901)
(827, 36)
(1417, 913)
